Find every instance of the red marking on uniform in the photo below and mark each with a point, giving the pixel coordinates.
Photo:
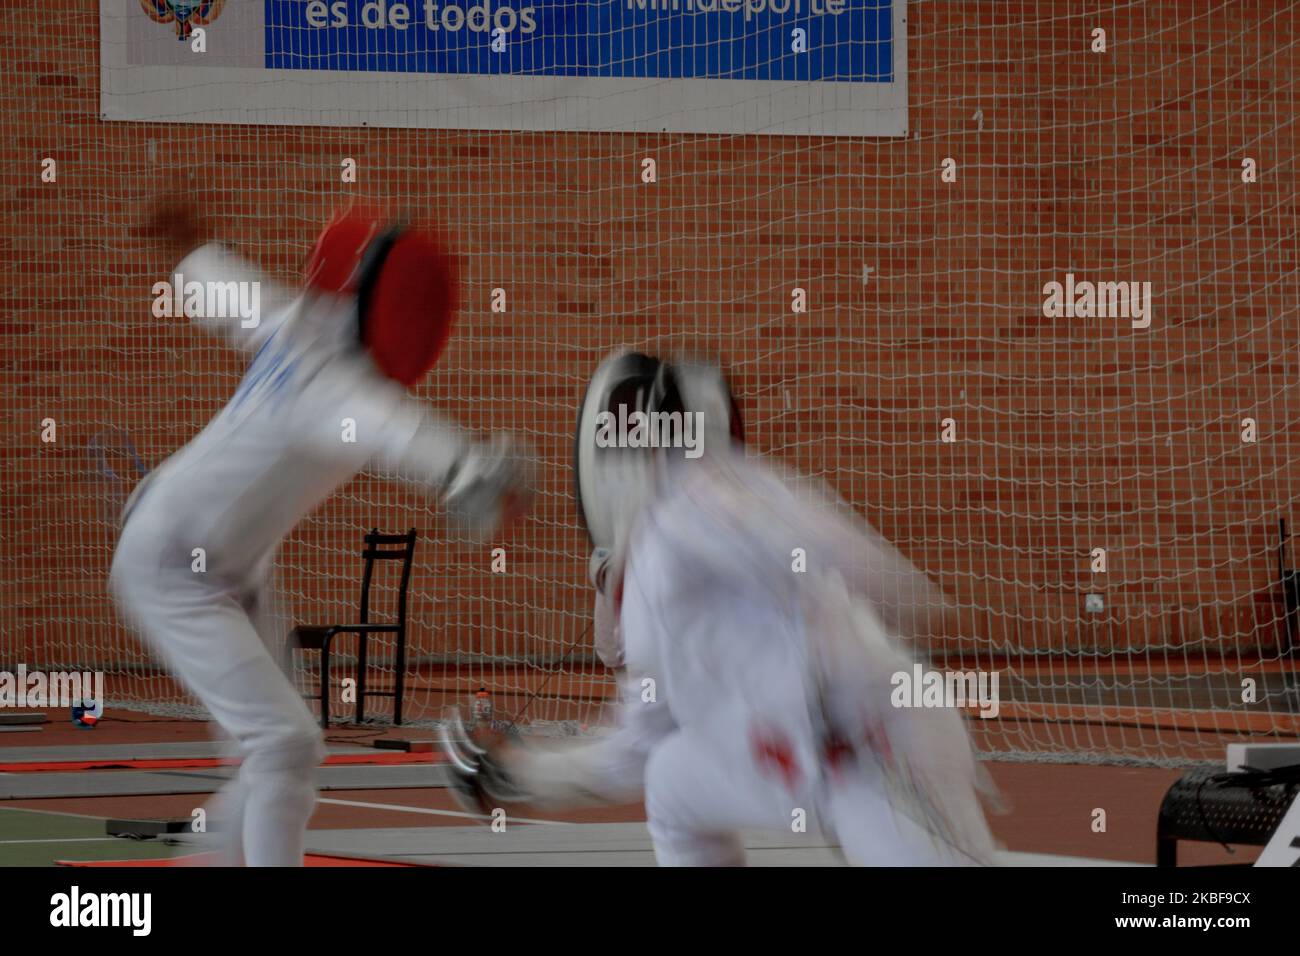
(774, 753)
(835, 750)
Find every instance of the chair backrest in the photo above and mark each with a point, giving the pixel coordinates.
(387, 547)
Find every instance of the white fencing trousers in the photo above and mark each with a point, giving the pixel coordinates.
(703, 789)
(203, 627)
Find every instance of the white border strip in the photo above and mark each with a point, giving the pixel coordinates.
(183, 94)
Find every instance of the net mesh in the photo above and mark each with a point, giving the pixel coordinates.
(925, 304)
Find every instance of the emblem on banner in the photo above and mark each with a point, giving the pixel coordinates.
(185, 14)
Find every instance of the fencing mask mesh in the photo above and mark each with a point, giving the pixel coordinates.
(636, 404)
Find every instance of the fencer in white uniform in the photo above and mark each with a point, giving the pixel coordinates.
(758, 684)
(322, 399)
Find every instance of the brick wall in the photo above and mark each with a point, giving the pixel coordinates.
(1073, 433)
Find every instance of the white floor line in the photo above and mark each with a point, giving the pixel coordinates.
(332, 800)
(399, 808)
(56, 813)
(63, 840)
(1020, 858)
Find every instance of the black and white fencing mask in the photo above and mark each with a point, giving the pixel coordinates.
(636, 406)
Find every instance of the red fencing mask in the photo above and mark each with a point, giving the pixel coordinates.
(405, 285)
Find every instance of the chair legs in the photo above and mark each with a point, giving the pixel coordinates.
(363, 668)
(363, 665)
(399, 684)
(325, 684)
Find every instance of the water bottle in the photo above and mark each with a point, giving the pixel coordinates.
(85, 714)
(482, 709)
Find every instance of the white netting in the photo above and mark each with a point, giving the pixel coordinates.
(925, 302)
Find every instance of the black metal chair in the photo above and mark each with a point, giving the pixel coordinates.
(320, 637)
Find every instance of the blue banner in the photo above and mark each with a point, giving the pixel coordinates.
(848, 41)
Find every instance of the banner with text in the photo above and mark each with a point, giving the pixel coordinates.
(809, 67)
